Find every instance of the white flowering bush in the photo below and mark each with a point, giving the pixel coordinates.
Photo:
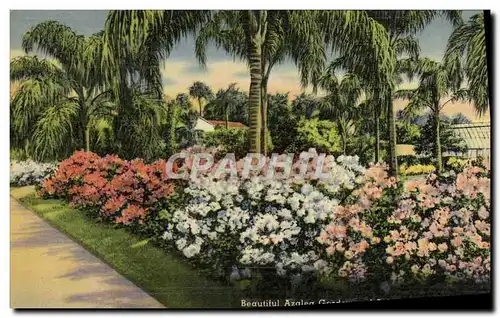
(23, 173)
(242, 227)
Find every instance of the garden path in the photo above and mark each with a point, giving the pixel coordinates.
(49, 270)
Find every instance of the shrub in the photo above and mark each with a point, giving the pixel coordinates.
(115, 189)
(416, 169)
(259, 223)
(23, 173)
(319, 134)
(456, 164)
(231, 140)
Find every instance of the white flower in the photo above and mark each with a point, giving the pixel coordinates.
(167, 236)
(181, 243)
(191, 250)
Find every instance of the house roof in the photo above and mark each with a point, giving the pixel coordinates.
(223, 123)
(475, 135)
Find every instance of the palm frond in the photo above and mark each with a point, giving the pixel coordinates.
(53, 131)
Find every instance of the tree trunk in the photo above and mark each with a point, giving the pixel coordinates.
(83, 127)
(227, 117)
(264, 96)
(437, 146)
(87, 138)
(377, 137)
(393, 160)
(344, 143)
(255, 54)
(199, 104)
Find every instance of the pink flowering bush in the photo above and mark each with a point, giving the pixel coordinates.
(433, 231)
(118, 190)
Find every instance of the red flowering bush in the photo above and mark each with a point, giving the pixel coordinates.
(120, 190)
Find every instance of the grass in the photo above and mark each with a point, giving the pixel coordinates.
(173, 282)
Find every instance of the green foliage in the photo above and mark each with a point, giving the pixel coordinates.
(407, 133)
(449, 142)
(468, 42)
(232, 140)
(200, 91)
(230, 104)
(319, 134)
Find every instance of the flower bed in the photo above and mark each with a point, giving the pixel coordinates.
(360, 226)
(118, 190)
(23, 173)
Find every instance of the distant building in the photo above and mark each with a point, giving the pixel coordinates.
(210, 125)
(476, 137)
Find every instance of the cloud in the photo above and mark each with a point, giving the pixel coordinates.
(168, 81)
(196, 69)
(241, 74)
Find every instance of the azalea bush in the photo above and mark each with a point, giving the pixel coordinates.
(115, 189)
(241, 228)
(29, 172)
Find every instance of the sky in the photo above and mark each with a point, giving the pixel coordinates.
(181, 69)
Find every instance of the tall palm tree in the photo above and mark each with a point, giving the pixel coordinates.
(341, 102)
(469, 40)
(402, 26)
(135, 43)
(437, 81)
(200, 91)
(61, 97)
(299, 35)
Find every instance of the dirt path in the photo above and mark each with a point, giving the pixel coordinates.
(49, 270)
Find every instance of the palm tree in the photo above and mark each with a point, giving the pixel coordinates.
(237, 109)
(299, 35)
(135, 43)
(200, 91)
(469, 40)
(60, 99)
(402, 26)
(341, 102)
(436, 81)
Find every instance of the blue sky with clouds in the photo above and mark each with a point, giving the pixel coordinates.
(181, 69)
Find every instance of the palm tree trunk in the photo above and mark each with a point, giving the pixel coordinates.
(199, 104)
(255, 54)
(377, 137)
(83, 127)
(87, 138)
(393, 160)
(439, 160)
(264, 97)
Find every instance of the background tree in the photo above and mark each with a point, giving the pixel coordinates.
(341, 102)
(200, 91)
(135, 44)
(60, 100)
(437, 81)
(469, 41)
(306, 105)
(460, 118)
(402, 26)
(426, 142)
